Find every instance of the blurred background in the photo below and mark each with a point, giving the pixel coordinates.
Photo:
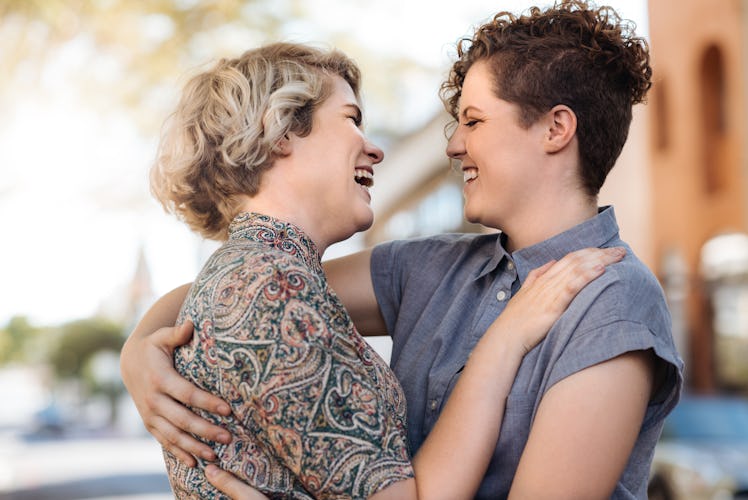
(86, 86)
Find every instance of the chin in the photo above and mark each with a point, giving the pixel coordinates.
(364, 225)
(471, 215)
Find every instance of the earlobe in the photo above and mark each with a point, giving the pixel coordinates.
(562, 126)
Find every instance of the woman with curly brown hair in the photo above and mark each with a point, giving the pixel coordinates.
(542, 104)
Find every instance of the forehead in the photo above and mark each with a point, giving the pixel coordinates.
(478, 81)
(342, 93)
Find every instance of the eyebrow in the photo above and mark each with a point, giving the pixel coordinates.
(464, 112)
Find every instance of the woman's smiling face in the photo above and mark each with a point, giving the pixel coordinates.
(499, 156)
(337, 165)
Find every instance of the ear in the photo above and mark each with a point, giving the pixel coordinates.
(562, 127)
(285, 145)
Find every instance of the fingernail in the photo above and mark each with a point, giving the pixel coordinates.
(224, 409)
(224, 437)
(209, 455)
(211, 470)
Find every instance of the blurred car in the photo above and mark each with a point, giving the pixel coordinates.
(703, 451)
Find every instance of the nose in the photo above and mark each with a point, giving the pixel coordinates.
(373, 152)
(455, 145)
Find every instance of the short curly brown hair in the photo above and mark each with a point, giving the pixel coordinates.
(573, 54)
(229, 122)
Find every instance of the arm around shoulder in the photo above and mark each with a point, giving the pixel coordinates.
(159, 392)
(350, 277)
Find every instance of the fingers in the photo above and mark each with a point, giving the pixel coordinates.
(537, 272)
(589, 261)
(160, 395)
(230, 485)
(180, 444)
(189, 394)
(166, 379)
(163, 397)
(566, 278)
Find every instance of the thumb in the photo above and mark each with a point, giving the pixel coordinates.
(182, 333)
(170, 338)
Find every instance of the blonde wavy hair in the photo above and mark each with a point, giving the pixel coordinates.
(226, 129)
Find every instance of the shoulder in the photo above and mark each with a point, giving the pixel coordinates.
(442, 246)
(239, 272)
(622, 311)
(627, 291)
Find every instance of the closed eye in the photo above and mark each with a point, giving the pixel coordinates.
(355, 114)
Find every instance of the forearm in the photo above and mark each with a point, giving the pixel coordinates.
(465, 436)
(162, 313)
(350, 277)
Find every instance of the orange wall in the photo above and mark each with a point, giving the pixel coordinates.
(685, 212)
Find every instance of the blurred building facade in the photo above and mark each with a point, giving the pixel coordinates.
(698, 165)
(679, 185)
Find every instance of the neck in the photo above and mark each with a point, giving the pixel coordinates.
(536, 224)
(275, 203)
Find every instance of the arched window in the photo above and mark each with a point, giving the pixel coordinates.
(713, 118)
(662, 115)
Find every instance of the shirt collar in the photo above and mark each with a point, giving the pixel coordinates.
(277, 234)
(594, 232)
(497, 256)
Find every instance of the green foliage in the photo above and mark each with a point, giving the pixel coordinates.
(15, 337)
(79, 341)
(130, 55)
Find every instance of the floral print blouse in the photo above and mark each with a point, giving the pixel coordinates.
(316, 413)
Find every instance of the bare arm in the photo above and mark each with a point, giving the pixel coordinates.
(585, 429)
(350, 277)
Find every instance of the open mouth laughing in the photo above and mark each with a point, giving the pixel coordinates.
(364, 177)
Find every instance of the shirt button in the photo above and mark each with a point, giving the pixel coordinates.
(433, 404)
(501, 296)
(510, 265)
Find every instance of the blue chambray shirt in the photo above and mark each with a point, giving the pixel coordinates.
(439, 294)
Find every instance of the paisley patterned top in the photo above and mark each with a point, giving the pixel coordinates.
(316, 413)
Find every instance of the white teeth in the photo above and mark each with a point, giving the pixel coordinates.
(364, 177)
(469, 174)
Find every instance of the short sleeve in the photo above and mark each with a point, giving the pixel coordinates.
(385, 272)
(616, 322)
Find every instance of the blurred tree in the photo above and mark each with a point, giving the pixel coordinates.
(131, 49)
(129, 54)
(15, 337)
(79, 341)
(88, 350)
